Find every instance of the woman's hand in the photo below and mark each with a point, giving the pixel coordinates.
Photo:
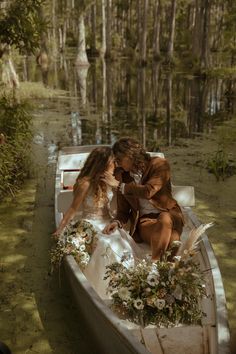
(56, 234)
(109, 179)
(110, 228)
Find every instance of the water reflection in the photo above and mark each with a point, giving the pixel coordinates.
(156, 106)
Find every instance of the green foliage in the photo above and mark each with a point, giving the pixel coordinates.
(22, 25)
(15, 124)
(220, 165)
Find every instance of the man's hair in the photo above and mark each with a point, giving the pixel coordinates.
(133, 149)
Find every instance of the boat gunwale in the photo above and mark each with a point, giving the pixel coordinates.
(222, 325)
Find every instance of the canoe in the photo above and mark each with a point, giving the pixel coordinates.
(114, 335)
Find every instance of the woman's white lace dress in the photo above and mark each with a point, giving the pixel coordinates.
(110, 248)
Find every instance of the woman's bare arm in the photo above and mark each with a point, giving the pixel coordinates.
(79, 195)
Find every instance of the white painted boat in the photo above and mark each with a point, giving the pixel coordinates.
(114, 335)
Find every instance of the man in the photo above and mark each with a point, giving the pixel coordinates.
(144, 198)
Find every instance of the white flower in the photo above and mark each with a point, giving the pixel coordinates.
(124, 293)
(119, 276)
(177, 258)
(176, 243)
(88, 232)
(84, 256)
(160, 304)
(76, 242)
(148, 290)
(154, 269)
(138, 304)
(82, 248)
(152, 279)
(83, 263)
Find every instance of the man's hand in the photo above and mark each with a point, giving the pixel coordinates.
(110, 228)
(110, 180)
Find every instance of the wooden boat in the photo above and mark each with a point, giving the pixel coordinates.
(114, 335)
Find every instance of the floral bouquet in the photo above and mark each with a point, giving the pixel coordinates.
(77, 239)
(162, 293)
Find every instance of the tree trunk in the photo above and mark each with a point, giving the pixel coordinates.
(82, 73)
(76, 127)
(82, 58)
(196, 31)
(108, 30)
(144, 35)
(104, 89)
(109, 100)
(170, 50)
(54, 37)
(139, 26)
(205, 56)
(141, 98)
(9, 75)
(62, 36)
(156, 34)
(169, 108)
(103, 47)
(155, 87)
(93, 20)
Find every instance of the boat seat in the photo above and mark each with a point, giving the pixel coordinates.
(183, 194)
(64, 200)
(72, 162)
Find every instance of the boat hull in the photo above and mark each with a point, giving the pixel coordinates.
(107, 330)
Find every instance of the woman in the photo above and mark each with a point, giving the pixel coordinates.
(93, 191)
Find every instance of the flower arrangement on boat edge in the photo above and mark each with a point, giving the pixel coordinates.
(162, 293)
(77, 239)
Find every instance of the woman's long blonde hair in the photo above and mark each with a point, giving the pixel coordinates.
(93, 170)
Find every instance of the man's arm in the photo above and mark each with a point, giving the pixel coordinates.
(123, 209)
(159, 174)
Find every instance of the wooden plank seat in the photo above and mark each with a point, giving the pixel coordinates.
(151, 340)
(182, 339)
